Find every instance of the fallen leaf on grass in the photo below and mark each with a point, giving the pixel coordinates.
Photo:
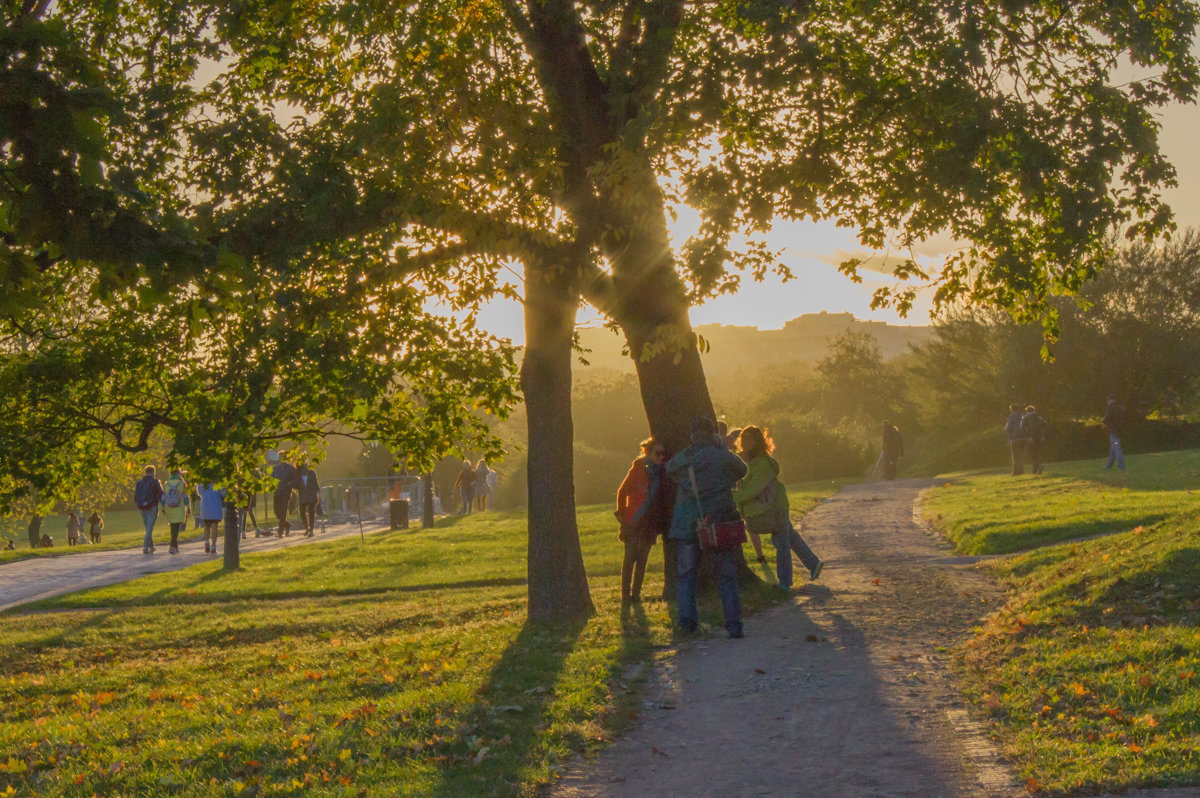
(877, 582)
(1032, 785)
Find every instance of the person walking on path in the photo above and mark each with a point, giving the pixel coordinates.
(1034, 427)
(95, 524)
(309, 494)
(642, 514)
(176, 506)
(147, 494)
(289, 480)
(466, 486)
(716, 470)
(1115, 416)
(763, 502)
(1016, 439)
(893, 449)
(212, 501)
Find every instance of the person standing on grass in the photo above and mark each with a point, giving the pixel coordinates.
(642, 514)
(212, 501)
(709, 493)
(1016, 439)
(466, 485)
(176, 506)
(763, 502)
(72, 528)
(309, 494)
(1034, 427)
(95, 524)
(481, 479)
(289, 479)
(147, 494)
(1115, 416)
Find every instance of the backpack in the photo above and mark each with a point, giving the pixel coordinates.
(143, 493)
(172, 498)
(1032, 426)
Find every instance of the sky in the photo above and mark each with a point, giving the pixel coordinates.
(812, 251)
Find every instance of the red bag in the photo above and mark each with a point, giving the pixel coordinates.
(720, 535)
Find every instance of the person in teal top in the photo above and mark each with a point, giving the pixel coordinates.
(716, 471)
(763, 502)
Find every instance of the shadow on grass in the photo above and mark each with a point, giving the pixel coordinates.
(512, 711)
(1048, 534)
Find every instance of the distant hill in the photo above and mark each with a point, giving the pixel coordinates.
(802, 339)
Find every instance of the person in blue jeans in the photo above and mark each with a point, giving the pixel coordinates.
(147, 494)
(762, 500)
(1114, 424)
(716, 471)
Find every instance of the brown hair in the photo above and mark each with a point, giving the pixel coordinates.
(648, 444)
(754, 442)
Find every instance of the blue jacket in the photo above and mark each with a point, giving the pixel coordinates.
(211, 499)
(717, 471)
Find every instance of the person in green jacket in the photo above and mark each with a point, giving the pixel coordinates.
(176, 504)
(763, 503)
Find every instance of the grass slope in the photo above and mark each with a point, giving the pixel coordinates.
(399, 666)
(122, 530)
(1091, 669)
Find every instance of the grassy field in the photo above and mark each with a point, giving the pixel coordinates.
(398, 666)
(1092, 669)
(122, 530)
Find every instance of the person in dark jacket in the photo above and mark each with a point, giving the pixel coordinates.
(289, 480)
(642, 513)
(1016, 439)
(1034, 427)
(1114, 423)
(147, 494)
(716, 471)
(309, 493)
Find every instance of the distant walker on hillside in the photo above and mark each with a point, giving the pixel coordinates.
(1115, 418)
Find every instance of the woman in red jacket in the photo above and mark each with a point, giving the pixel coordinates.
(642, 511)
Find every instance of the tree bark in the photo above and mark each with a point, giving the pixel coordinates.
(232, 554)
(35, 531)
(427, 503)
(558, 588)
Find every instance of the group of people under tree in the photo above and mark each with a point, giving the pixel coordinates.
(176, 501)
(718, 479)
(476, 486)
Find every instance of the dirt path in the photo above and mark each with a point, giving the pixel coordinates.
(846, 692)
(34, 578)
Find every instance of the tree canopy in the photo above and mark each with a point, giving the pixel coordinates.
(219, 146)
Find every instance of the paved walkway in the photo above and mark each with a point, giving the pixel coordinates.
(35, 578)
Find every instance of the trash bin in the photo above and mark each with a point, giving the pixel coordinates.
(399, 513)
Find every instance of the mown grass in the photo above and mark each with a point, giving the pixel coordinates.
(397, 666)
(1090, 671)
(997, 514)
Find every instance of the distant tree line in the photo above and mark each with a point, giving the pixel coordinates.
(1134, 332)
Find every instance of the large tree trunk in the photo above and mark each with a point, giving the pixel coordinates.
(653, 312)
(35, 531)
(558, 588)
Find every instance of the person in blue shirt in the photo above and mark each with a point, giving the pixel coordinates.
(716, 471)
